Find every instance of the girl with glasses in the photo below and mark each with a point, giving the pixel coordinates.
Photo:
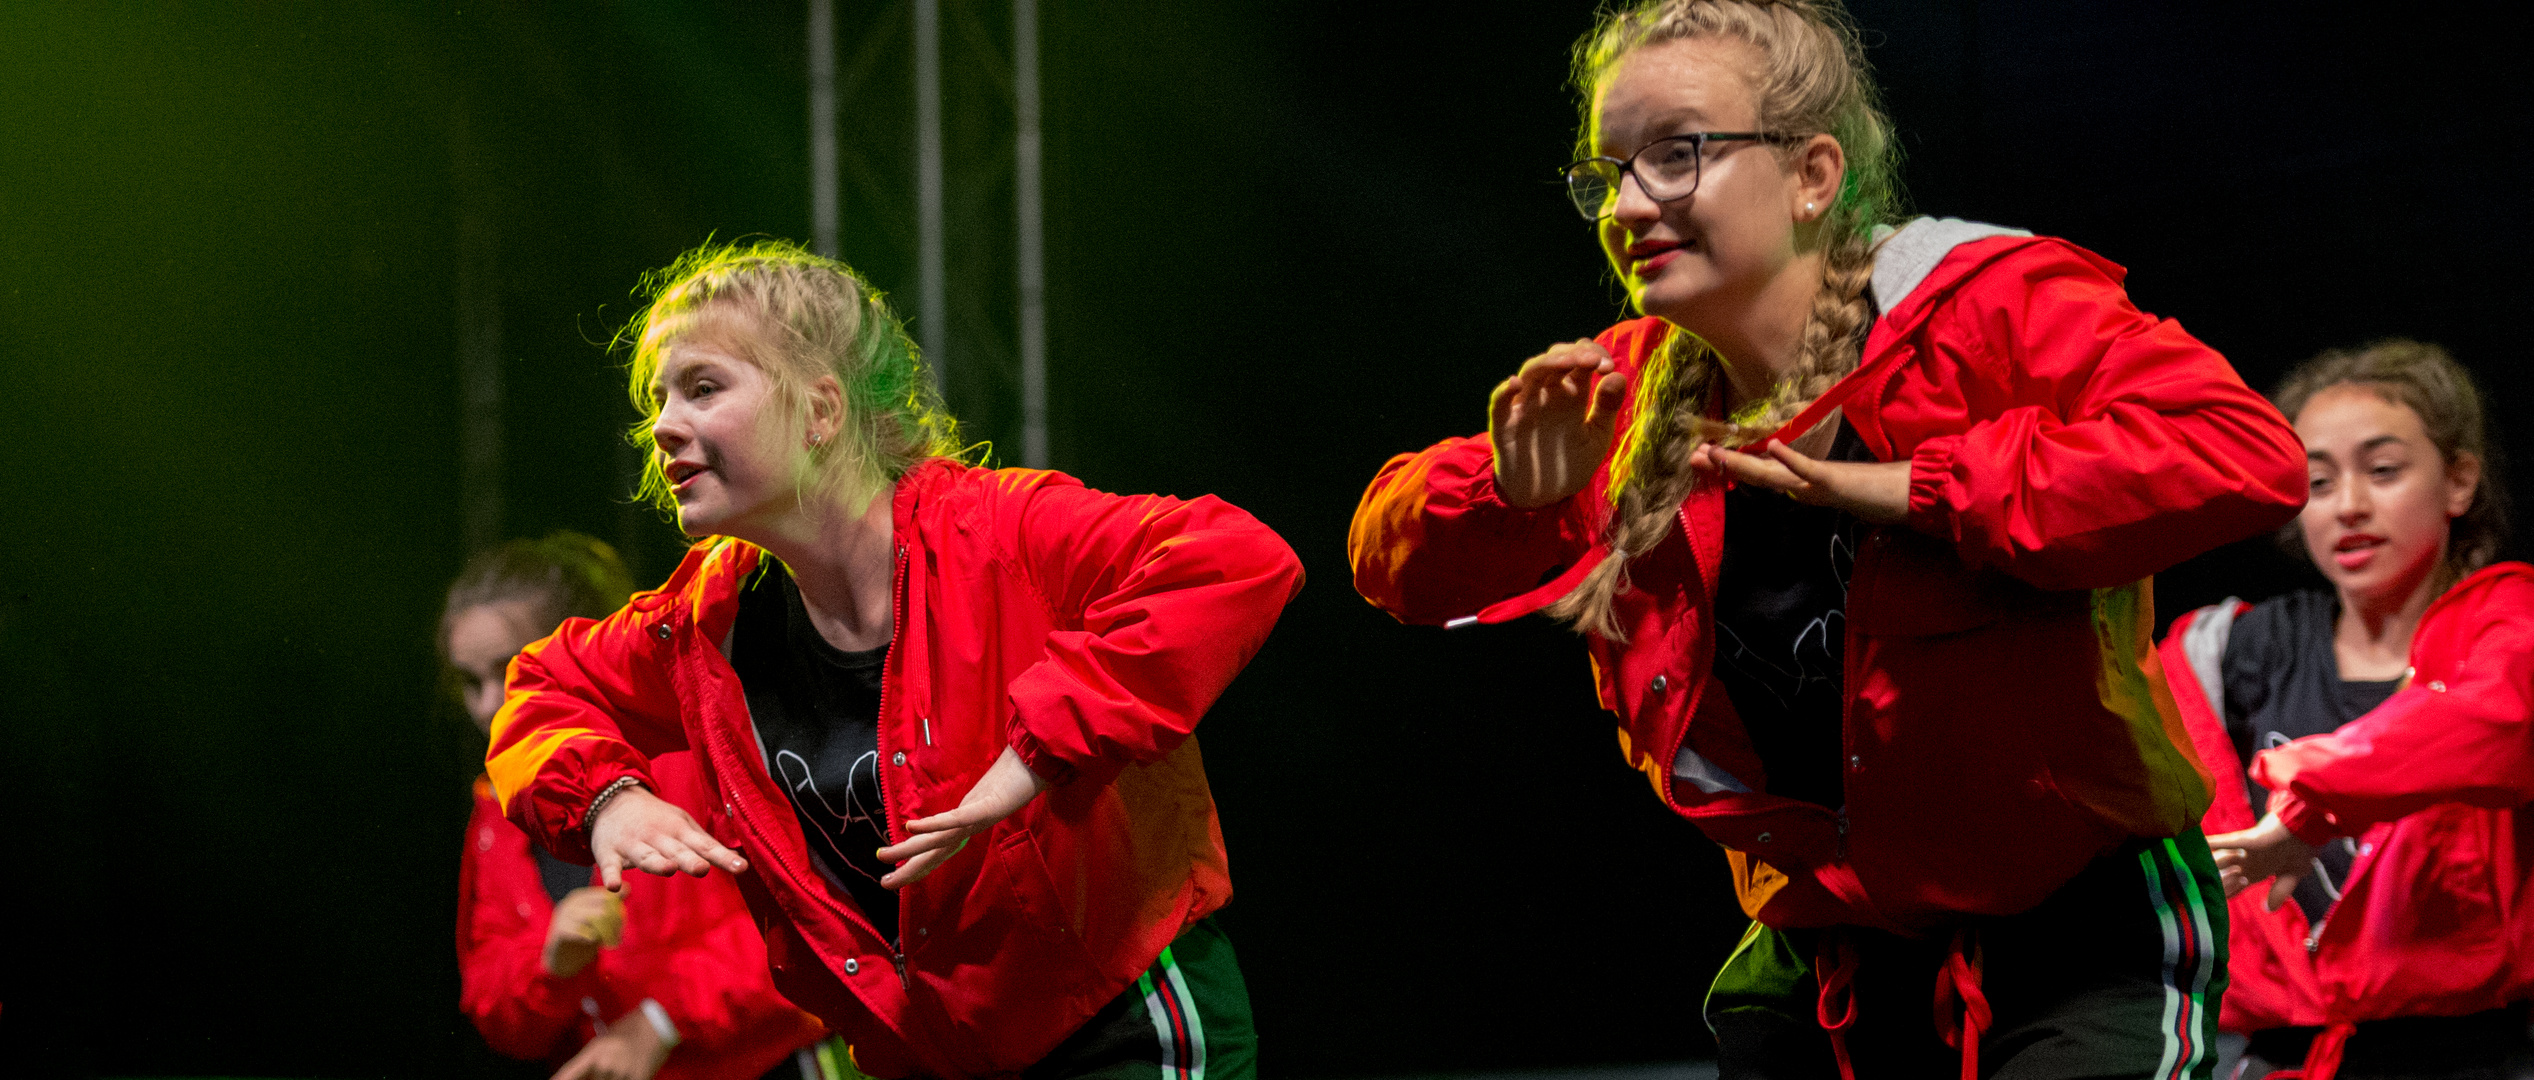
(1857, 524)
(944, 711)
(2388, 722)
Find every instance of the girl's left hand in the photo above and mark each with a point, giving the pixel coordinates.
(1877, 492)
(2267, 850)
(1006, 787)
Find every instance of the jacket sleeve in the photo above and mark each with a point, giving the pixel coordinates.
(2466, 738)
(1432, 541)
(1159, 602)
(2125, 445)
(502, 914)
(584, 707)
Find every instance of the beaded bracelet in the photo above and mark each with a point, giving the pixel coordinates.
(606, 793)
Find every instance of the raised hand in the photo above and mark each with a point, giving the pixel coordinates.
(1874, 491)
(650, 834)
(1006, 787)
(587, 920)
(1551, 423)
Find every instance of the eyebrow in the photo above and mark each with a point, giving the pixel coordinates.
(670, 370)
(1676, 121)
(2364, 447)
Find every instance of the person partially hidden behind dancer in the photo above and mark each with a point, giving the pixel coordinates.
(2388, 722)
(945, 711)
(1857, 524)
(669, 978)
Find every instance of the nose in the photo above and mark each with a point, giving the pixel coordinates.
(1631, 208)
(668, 429)
(2356, 505)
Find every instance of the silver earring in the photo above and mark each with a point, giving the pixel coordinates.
(1808, 208)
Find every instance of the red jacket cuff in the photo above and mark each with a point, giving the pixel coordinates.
(2306, 820)
(1930, 471)
(1041, 760)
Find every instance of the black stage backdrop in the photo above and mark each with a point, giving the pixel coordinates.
(1284, 243)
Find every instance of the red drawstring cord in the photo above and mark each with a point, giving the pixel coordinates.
(1958, 988)
(2322, 1058)
(1835, 968)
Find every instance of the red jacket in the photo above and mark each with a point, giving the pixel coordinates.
(2006, 718)
(2435, 785)
(1088, 631)
(688, 944)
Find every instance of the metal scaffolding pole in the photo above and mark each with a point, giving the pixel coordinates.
(932, 321)
(822, 127)
(1031, 239)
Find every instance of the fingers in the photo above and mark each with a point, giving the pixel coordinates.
(1809, 470)
(611, 871)
(1754, 469)
(2237, 841)
(923, 841)
(2282, 888)
(1609, 393)
(698, 852)
(1565, 370)
(607, 924)
(2228, 858)
(921, 865)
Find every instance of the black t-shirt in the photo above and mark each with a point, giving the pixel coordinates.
(2283, 683)
(559, 877)
(817, 714)
(1781, 630)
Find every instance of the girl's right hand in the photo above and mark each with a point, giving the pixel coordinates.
(1551, 423)
(650, 834)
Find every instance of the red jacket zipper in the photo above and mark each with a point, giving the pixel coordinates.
(897, 630)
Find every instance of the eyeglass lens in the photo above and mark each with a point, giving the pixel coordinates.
(1667, 169)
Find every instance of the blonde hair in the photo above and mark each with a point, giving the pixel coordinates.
(798, 317)
(1811, 78)
(2426, 380)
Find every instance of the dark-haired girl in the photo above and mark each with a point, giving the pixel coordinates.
(1857, 524)
(2388, 722)
(667, 979)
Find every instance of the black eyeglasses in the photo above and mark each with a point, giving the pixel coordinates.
(1666, 169)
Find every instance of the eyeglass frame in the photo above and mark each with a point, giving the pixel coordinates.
(1698, 147)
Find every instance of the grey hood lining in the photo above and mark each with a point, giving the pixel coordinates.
(1911, 252)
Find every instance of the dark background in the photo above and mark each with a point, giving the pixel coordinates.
(1283, 243)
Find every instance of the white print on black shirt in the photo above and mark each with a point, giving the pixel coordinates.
(862, 778)
(1809, 660)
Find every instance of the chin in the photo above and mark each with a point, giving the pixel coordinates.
(1671, 298)
(696, 523)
